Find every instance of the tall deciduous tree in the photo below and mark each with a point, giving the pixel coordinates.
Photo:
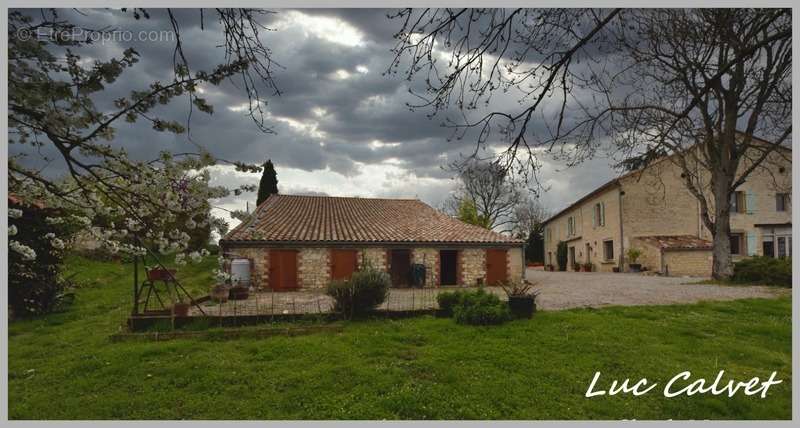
(468, 213)
(493, 191)
(269, 182)
(697, 84)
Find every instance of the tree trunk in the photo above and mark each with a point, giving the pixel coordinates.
(722, 265)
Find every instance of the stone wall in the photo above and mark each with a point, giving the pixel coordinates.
(375, 256)
(688, 263)
(472, 266)
(314, 264)
(313, 267)
(515, 264)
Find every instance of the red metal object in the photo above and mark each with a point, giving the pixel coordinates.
(161, 274)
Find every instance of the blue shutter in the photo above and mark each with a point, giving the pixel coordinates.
(750, 204)
(751, 244)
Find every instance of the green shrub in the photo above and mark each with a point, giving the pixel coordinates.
(447, 301)
(561, 255)
(764, 270)
(365, 290)
(480, 308)
(35, 253)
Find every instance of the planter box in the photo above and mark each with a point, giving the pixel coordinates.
(239, 293)
(635, 267)
(522, 306)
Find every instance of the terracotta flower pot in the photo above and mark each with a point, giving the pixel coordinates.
(220, 293)
(239, 293)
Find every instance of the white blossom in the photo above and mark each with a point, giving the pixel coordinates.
(14, 213)
(180, 259)
(12, 230)
(54, 220)
(25, 251)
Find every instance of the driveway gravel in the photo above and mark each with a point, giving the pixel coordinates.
(564, 290)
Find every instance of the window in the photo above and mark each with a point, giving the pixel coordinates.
(599, 214)
(768, 245)
(737, 202)
(571, 226)
(608, 250)
(781, 247)
(736, 244)
(782, 201)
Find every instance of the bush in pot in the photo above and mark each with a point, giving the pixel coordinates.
(521, 298)
(633, 255)
(365, 290)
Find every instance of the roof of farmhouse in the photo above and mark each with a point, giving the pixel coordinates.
(326, 219)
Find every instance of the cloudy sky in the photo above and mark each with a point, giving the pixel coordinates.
(341, 126)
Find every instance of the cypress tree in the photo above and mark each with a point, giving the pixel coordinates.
(269, 182)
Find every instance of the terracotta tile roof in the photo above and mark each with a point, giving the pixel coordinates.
(677, 242)
(289, 218)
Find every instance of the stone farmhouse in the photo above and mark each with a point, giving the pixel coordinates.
(304, 242)
(652, 210)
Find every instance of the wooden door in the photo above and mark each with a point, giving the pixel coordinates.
(283, 270)
(343, 263)
(496, 266)
(400, 268)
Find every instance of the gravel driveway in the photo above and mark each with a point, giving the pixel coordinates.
(563, 290)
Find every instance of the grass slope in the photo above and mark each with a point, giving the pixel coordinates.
(63, 366)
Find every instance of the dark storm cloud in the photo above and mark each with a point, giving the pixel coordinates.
(337, 110)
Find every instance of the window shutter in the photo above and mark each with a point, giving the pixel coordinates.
(602, 214)
(751, 244)
(594, 216)
(750, 203)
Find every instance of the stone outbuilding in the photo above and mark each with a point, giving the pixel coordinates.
(304, 242)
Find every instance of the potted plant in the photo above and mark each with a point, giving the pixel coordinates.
(633, 255)
(220, 293)
(615, 269)
(238, 291)
(586, 267)
(576, 267)
(180, 309)
(521, 298)
(549, 267)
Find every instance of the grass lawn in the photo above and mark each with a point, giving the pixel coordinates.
(63, 366)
